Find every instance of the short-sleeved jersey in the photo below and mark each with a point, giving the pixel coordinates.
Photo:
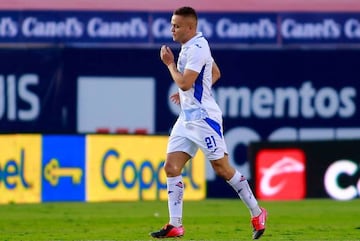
(200, 122)
(198, 102)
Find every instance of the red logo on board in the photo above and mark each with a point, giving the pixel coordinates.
(280, 174)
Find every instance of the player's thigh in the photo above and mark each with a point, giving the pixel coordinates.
(210, 141)
(183, 144)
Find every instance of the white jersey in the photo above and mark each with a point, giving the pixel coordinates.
(200, 122)
(198, 102)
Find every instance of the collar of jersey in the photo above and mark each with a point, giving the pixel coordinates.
(191, 41)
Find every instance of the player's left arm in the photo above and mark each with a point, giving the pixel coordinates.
(215, 71)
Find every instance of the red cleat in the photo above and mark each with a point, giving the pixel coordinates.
(168, 231)
(259, 224)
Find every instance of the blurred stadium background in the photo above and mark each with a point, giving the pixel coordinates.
(85, 113)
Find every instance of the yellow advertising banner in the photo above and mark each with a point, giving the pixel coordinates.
(20, 168)
(127, 168)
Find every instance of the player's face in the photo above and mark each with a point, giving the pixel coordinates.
(181, 28)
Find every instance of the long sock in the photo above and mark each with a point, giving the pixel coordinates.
(175, 188)
(241, 186)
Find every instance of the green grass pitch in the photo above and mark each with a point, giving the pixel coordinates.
(211, 219)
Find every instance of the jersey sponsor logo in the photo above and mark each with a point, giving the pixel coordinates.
(280, 174)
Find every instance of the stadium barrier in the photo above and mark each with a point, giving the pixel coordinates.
(90, 168)
(265, 95)
(310, 169)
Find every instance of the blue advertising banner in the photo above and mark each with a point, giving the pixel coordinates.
(71, 27)
(83, 27)
(151, 28)
(63, 176)
(94, 27)
(9, 26)
(320, 28)
(230, 28)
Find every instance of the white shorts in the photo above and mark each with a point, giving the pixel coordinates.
(189, 136)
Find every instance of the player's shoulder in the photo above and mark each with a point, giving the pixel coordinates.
(200, 44)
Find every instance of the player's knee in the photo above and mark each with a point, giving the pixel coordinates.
(172, 169)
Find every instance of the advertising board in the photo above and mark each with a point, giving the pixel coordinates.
(321, 28)
(146, 29)
(129, 168)
(310, 169)
(200, 5)
(20, 168)
(81, 168)
(33, 96)
(63, 168)
(265, 95)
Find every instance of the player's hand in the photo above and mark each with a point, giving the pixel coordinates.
(175, 98)
(166, 55)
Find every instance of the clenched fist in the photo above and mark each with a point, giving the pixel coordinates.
(166, 55)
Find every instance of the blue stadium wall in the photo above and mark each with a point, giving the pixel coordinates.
(279, 84)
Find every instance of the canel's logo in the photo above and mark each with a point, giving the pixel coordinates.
(280, 174)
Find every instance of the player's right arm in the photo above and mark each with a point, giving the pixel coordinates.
(183, 80)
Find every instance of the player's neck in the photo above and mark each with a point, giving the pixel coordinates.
(188, 38)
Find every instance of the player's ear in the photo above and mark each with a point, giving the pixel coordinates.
(192, 24)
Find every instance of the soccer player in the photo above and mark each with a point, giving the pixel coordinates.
(199, 124)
